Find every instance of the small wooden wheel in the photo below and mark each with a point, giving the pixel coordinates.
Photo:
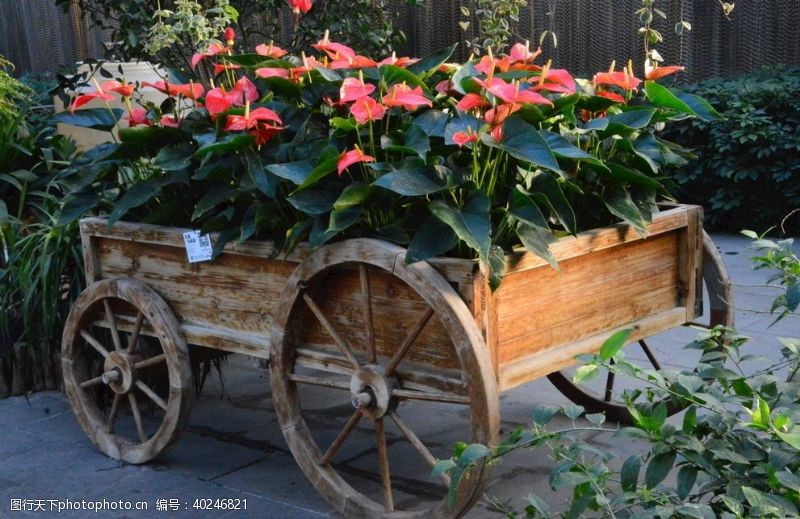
(608, 400)
(126, 369)
(358, 323)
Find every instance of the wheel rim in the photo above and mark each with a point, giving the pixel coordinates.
(374, 379)
(126, 369)
(606, 396)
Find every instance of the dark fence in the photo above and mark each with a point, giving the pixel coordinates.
(37, 36)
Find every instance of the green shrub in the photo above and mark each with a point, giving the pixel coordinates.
(748, 164)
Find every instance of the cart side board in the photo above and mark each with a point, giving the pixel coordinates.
(534, 324)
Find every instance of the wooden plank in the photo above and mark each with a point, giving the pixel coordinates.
(689, 261)
(598, 239)
(543, 362)
(541, 309)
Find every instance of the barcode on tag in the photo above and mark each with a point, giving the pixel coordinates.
(198, 248)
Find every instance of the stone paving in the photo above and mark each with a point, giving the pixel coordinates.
(233, 447)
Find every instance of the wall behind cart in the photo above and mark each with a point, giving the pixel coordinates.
(37, 36)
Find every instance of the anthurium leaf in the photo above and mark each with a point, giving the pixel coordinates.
(76, 205)
(4, 218)
(211, 199)
(629, 474)
(546, 190)
(523, 208)
(431, 122)
(497, 265)
(431, 63)
(353, 195)
(392, 74)
(662, 97)
(471, 222)
(313, 201)
(630, 176)
(328, 74)
(619, 203)
(148, 137)
(434, 238)
(230, 142)
(622, 123)
(465, 123)
(95, 118)
(614, 343)
(464, 79)
(342, 219)
(536, 240)
(561, 147)
(699, 106)
(283, 87)
(139, 194)
(394, 233)
(260, 177)
(415, 182)
(522, 141)
(175, 157)
(296, 172)
(659, 467)
(417, 140)
(325, 165)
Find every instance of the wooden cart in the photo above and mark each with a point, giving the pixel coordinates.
(354, 319)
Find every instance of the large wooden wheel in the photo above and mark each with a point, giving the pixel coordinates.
(126, 369)
(609, 398)
(358, 323)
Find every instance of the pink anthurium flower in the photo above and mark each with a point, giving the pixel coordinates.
(267, 72)
(188, 90)
(125, 90)
(218, 100)
(169, 121)
(611, 95)
(138, 117)
(444, 86)
(658, 72)
(219, 68)
(497, 116)
(367, 109)
(354, 89)
(352, 157)
(357, 61)
(213, 50)
(556, 80)
(488, 64)
(270, 51)
(300, 6)
(623, 79)
(86, 98)
(251, 120)
(520, 52)
(470, 101)
(247, 88)
(463, 138)
(401, 62)
(405, 96)
(512, 93)
(335, 51)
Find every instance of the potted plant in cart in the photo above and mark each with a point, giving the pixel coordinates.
(396, 195)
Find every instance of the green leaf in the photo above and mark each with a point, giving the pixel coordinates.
(415, 182)
(77, 205)
(539, 505)
(432, 123)
(561, 147)
(623, 122)
(522, 141)
(231, 142)
(586, 373)
(3, 212)
(687, 475)
(613, 344)
(211, 199)
(792, 438)
(442, 467)
(733, 505)
(434, 238)
(542, 414)
(769, 503)
(573, 411)
(354, 194)
(465, 123)
(629, 474)
(536, 240)
(326, 164)
(699, 106)
(661, 96)
(618, 201)
(689, 420)
(547, 190)
(343, 219)
(295, 172)
(464, 79)
(175, 157)
(95, 118)
(392, 75)
(497, 265)
(258, 174)
(314, 201)
(428, 65)
(630, 176)
(658, 468)
(471, 222)
(137, 195)
(473, 453)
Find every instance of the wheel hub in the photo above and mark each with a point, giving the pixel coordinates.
(119, 372)
(371, 391)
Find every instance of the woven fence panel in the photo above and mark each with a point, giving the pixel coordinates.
(37, 36)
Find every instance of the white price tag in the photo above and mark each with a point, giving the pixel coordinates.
(198, 248)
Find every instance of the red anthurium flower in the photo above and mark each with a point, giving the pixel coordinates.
(219, 68)
(659, 72)
(398, 62)
(169, 121)
(189, 90)
(247, 88)
(230, 36)
(266, 72)
(354, 62)
(622, 79)
(352, 157)
(463, 138)
(353, 89)
(470, 101)
(271, 51)
(218, 100)
(497, 116)
(125, 90)
(512, 93)
(444, 86)
(611, 95)
(335, 51)
(520, 52)
(253, 119)
(309, 63)
(213, 50)
(367, 109)
(405, 96)
(497, 133)
(556, 80)
(300, 6)
(85, 98)
(489, 63)
(137, 117)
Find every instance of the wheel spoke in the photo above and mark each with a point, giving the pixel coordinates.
(92, 382)
(137, 417)
(94, 343)
(137, 328)
(112, 416)
(146, 363)
(152, 394)
(383, 459)
(339, 441)
(316, 381)
(391, 366)
(448, 398)
(331, 331)
(112, 324)
(366, 300)
(650, 356)
(417, 443)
